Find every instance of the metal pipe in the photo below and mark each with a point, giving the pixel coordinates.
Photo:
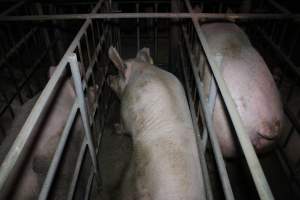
(11, 9)
(201, 148)
(138, 45)
(17, 46)
(256, 171)
(83, 110)
(278, 7)
(211, 131)
(46, 34)
(58, 153)
(77, 170)
(39, 109)
(223, 16)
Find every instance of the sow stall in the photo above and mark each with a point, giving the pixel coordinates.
(37, 35)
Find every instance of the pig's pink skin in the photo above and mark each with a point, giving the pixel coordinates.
(165, 163)
(251, 86)
(36, 164)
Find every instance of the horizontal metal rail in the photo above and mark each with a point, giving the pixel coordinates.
(39, 108)
(226, 16)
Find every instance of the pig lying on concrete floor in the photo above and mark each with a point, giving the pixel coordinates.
(35, 166)
(251, 86)
(165, 163)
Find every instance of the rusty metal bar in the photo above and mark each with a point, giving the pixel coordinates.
(224, 16)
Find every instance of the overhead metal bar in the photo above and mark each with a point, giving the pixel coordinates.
(228, 16)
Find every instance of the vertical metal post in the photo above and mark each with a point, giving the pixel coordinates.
(210, 128)
(201, 148)
(173, 37)
(155, 33)
(138, 45)
(83, 110)
(46, 35)
(57, 33)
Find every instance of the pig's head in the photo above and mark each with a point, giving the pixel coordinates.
(126, 68)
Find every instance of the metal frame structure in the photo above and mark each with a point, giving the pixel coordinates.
(191, 33)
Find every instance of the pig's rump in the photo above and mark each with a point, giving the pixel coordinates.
(251, 86)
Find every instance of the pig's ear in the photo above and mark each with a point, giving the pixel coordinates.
(117, 60)
(51, 71)
(144, 55)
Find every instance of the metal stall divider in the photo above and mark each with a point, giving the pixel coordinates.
(38, 111)
(255, 168)
(276, 43)
(208, 132)
(208, 128)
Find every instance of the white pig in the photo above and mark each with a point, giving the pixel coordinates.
(251, 86)
(165, 163)
(35, 166)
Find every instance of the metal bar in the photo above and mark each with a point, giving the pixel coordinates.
(214, 140)
(18, 45)
(58, 153)
(278, 6)
(138, 45)
(155, 34)
(33, 119)
(14, 7)
(34, 68)
(224, 16)
(46, 34)
(286, 59)
(256, 171)
(201, 149)
(88, 186)
(83, 110)
(77, 170)
(39, 109)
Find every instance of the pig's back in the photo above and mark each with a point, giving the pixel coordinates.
(165, 149)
